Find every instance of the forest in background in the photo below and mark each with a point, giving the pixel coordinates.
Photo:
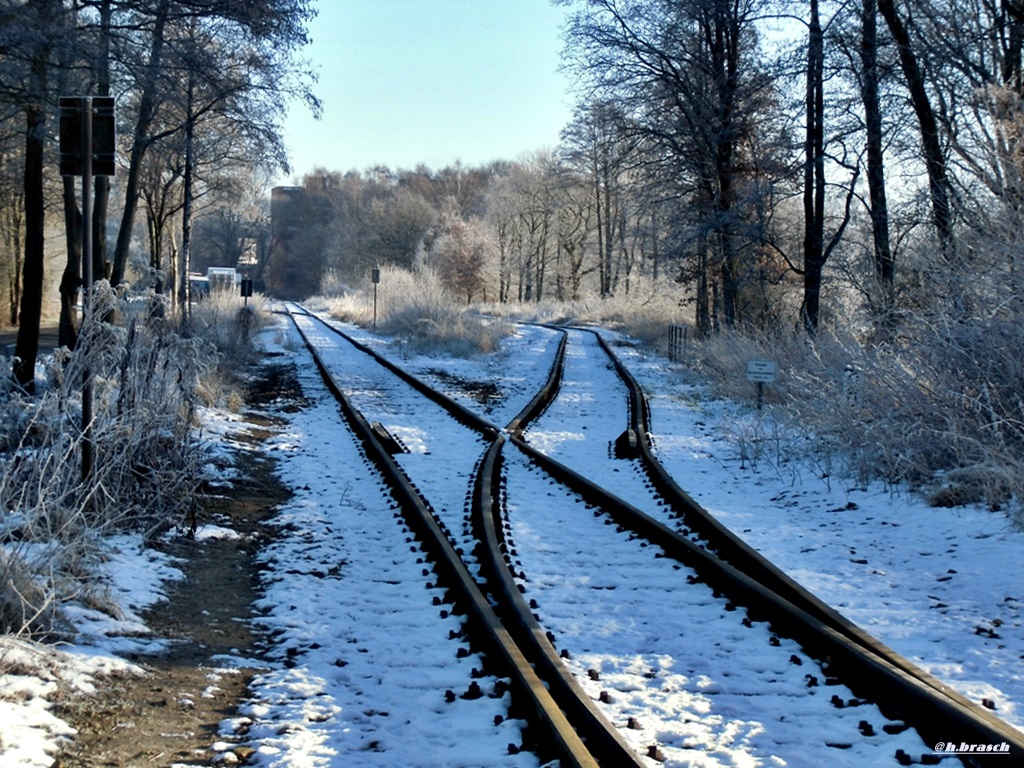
(784, 162)
(834, 185)
(831, 184)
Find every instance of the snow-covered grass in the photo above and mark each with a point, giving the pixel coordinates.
(75, 564)
(143, 469)
(229, 324)
(417, 310)
(941, 415)
(33, 676)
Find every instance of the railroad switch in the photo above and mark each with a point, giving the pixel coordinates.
(388, 442)
(626, 445)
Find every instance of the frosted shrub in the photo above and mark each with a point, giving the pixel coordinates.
(416, 309)
(351, 307)
(146, 466)
(942, 414)
(228, 322)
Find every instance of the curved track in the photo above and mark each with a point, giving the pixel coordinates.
(575, 725)
(552, 733)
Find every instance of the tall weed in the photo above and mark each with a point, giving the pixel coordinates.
(419, 312)
(939, 411)
(146, 468)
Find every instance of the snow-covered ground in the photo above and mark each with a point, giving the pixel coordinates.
(367, 650)
(941, 586)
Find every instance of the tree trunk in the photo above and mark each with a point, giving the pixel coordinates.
(935, 162)
(101, 199)
(27, 347)
(14, 219)
(885, 268)
(723, 47)
(703, 290)
(814, 175)
(186, 210)
(147, 112)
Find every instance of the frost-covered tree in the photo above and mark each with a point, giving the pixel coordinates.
(457, 250)
(688, 77)
(237, 60)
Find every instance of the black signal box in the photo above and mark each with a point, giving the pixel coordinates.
(101, 112)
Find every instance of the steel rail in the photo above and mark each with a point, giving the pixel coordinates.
(933, 707)
(459, 412)
(558, 735)
(869, 675)
(878, 673)
(606, 740)
(603, 740)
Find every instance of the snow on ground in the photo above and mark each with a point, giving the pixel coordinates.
(941, 586)
(365, 652)
(130, 579)
(671, 658)
(32, 675)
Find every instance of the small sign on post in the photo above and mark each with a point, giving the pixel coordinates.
(761, 372)
(375, 277)
(246, 289)
(86, 149)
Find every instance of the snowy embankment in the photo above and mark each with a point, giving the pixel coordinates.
(940, 586)
(33, 676)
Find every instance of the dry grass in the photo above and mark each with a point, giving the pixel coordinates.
(415, 308)
(645, 313)
(145, 379)
(941, 415)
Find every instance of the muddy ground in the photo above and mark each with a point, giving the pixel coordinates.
(172, 715)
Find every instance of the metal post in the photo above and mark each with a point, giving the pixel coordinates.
(375, 277)
(88, 448)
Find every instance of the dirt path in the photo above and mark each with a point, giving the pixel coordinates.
(172, 715)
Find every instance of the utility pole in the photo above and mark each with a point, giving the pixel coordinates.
(87, 149)
(375, 275)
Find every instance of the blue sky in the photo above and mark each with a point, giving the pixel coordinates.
(405, 82)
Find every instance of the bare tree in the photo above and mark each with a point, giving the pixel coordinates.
(932, 152)
(252, 67)
(25, 83)
(688, 76)
(885, 268)
(598, 145)
(816, 249)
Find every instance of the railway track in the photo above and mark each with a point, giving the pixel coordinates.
(499, 560)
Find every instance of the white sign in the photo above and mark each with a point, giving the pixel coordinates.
(761, 371)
